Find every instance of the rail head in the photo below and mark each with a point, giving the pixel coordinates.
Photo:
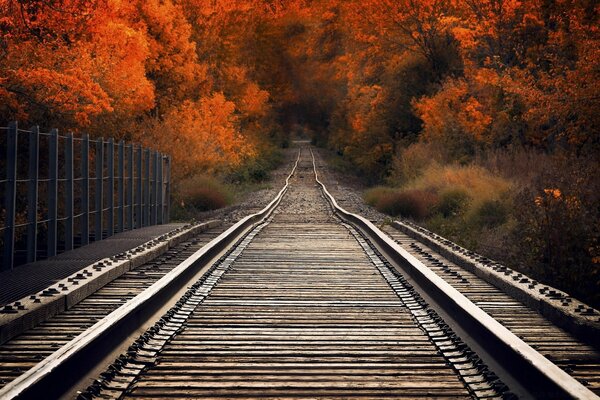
(457, 301)
(42, 373)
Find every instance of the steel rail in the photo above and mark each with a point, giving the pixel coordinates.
(308, 309)
(65, 363)
(536, 373)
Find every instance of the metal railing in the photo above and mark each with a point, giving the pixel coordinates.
(52, 203)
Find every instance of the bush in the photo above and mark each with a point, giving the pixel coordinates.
(536, 212)
(520, 166)
(341, 164)
(479, 183)
(202, 193)
(415, 204)
(558, 226)
(250, 172)
(453, 201)
(373, 195)
(409, 164)
(256, 170)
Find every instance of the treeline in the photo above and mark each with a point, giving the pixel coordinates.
(368, 77)
(377, 76)
(480, 117)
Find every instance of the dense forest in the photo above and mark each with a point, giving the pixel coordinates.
(478, 119)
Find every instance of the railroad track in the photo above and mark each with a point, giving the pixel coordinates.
(34, 345)
(579, 359)
(302, 299)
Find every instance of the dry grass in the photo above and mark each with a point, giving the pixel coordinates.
(500, 205)
(410, 162)
(479, 184)
(448, 189)
(373, 195)
(520, 166)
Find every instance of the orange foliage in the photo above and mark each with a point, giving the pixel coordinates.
(451, 110)
(71, 62)
(200, 135)
(173, 62)
(108, 65)
(368, 77)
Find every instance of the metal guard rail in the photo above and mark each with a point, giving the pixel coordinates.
(131, 189)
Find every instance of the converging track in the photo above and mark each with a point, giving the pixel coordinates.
(307, 303)
(302, 311)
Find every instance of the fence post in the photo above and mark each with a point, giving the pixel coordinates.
(159, 195)
(85, 189)
(120, 188)
(32, 193)
(147, 189)
(130, 186)
(168, 190)
(99, 188)
(138, 191)
(153, 195)
(69, 192)
(53, 193)
(111, 187)
(11, 195)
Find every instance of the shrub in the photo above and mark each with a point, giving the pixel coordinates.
(256, 170)
(341, 164)
(248, 172)
(453, 201)
(521, 166)
(409, 164)
(480, 184)
(415, 204)
(558, 228)
(203, 193)
(455, 229)
(373, 195)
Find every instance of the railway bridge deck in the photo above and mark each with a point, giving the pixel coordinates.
(300, 300)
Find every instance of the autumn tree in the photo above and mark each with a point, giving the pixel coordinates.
(200, 136)
(173, 64)
(522, 59)
(376, 75)
(42, 78)
(136, 70)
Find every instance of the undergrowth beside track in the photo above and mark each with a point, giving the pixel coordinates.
(536, 212)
